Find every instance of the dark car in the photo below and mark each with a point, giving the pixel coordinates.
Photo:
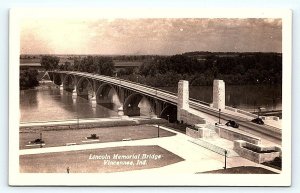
(258, 121)
(36, 141)
(233, 124)
(93, 136)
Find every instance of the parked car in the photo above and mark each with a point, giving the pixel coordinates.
(233, 124)
(93, 136)
(36, 141)
(258, 121)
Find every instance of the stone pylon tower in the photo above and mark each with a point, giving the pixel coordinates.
(219, 94)
(183, 98)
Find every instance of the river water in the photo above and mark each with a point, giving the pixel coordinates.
(246, 97)
(51, 104)
(55, 104)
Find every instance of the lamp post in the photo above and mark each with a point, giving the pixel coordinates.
(225, 154)
(219, 116)
(41, 139)
(259, 111)
(158, 130)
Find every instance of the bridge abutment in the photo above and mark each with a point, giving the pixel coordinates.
(219, 94)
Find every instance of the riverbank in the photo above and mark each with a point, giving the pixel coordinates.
(43, 85)
(54, 138)
(89, 123)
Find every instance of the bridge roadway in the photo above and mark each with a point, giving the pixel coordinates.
(272, 131)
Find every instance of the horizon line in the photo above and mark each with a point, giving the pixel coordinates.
(153, 54)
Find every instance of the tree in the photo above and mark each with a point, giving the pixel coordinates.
(28, 79)
(68, 66)
(104, 66)
(50, 62)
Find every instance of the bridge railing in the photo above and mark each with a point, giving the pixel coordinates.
(195, 103)
(159, 91)
(201, 102)
(147, 90)
(171, 97)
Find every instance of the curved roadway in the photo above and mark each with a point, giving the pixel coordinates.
(244, 121)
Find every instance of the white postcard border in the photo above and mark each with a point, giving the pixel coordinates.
(119, 179)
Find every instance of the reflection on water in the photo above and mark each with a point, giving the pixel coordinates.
(54, 104)
(31, 99)
(247, 97)
(251, 97)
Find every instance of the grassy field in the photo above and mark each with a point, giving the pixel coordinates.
(79, 162)
(109, 134)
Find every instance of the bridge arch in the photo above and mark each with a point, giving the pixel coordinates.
(136, 103)
(57, 79)
(69, 83)
(84, 88)
(107, 95)
(169, 112)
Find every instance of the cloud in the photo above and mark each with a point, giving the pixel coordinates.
(150, 36)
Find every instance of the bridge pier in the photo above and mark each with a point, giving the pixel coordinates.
(121, 94)
(94, 102)
(74, 92)
(120, 111)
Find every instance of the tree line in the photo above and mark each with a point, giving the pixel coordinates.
(249, 68)
(198, 68)
(91, 64)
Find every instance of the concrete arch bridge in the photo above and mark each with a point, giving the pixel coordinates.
(126, 96)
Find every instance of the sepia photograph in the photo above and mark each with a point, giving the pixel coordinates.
(200, 96)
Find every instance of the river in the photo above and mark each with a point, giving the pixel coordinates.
(246, 97)
(53, 104)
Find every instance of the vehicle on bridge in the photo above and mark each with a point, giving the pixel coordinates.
(233, 124)
(258, 121)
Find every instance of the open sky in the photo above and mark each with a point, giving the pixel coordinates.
(149, 36)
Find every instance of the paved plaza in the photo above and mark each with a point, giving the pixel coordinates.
(195, 158)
